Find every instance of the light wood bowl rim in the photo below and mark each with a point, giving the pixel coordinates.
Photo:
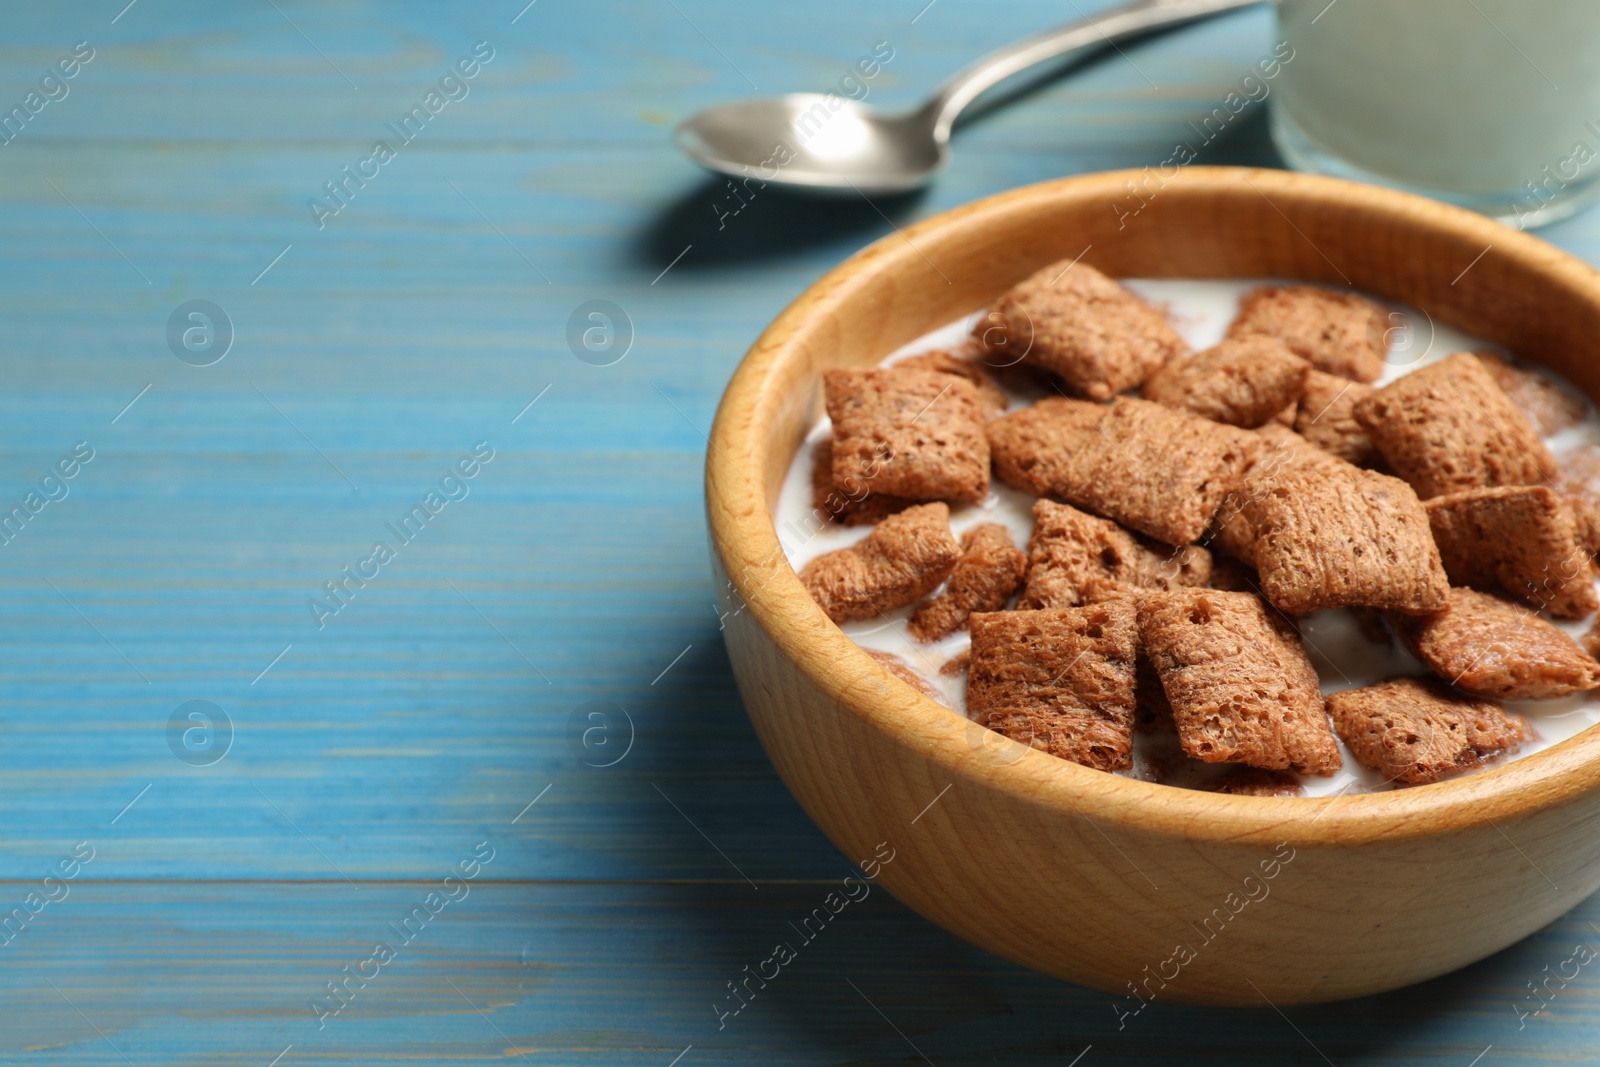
(740, 520)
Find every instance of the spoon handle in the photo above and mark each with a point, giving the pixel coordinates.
(1105, 28)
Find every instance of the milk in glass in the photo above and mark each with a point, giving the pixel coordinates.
(1493, 104)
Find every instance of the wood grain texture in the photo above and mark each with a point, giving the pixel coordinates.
(192, 974)
(409, 729)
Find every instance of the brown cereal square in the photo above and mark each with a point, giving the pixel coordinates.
(1074, 321)
(903, 559)
(1344, 537)
(1416, 730)
(991, 397)
(1242, 382)
(1278, 437)
(1449, 427)
(851, 504)
(988, 572)
(1255, 782)
(1040, 447)
(1076, 558)
(957, 664)
(1339, 333)
(1488, 647)
(1519, 539)
(911, 433)
(1162, 472)
(1283, 450)
(1325, 417)
(1233, 533)
(1240, 685)
(1060, 680)
(1586, 516)
(1551, 407)
(899, 668)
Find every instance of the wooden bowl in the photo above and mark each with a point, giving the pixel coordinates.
(1138, 889)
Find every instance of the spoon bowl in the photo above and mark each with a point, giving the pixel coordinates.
(817, 141)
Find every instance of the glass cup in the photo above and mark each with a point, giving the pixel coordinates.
(1490, 104)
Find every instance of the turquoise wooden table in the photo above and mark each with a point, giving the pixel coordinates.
(370, 614)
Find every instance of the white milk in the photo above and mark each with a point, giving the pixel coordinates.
(1490, 103)
(1200, 311)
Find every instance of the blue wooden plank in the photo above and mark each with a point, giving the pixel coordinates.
(625, 974)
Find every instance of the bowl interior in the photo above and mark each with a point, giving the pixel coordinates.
(1458, 267)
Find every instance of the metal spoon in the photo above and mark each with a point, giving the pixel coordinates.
(824, 142)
